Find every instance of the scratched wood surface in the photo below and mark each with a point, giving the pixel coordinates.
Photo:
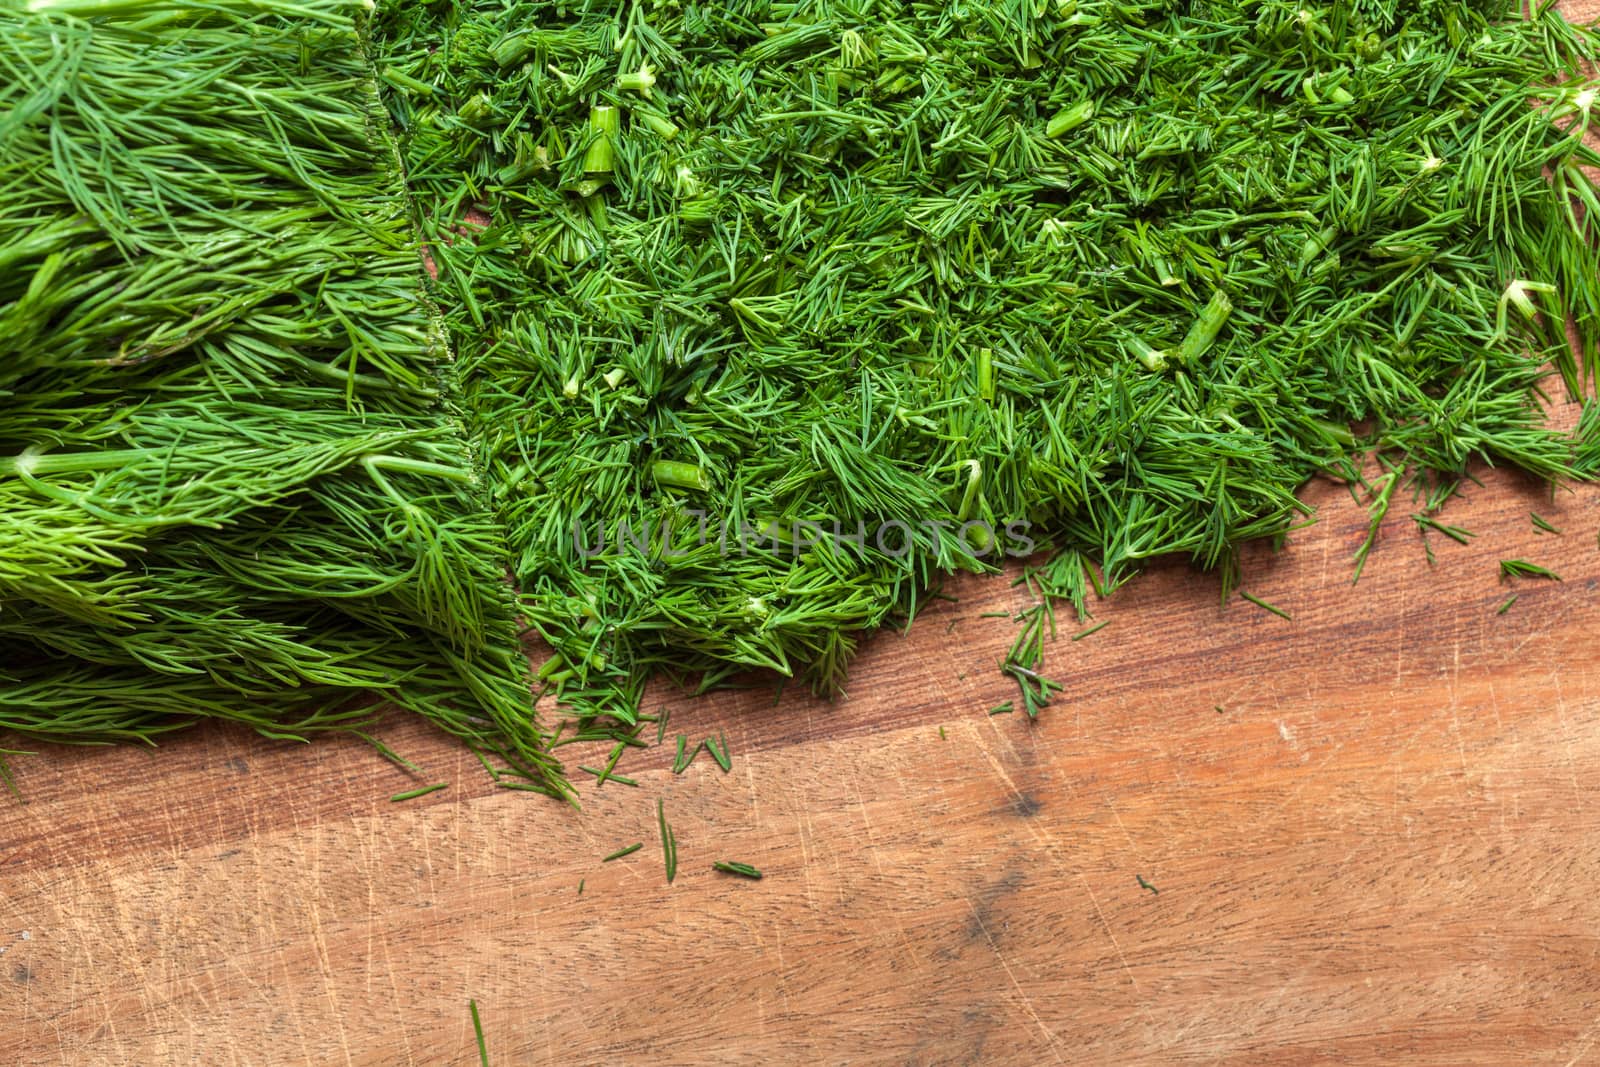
(1371, 833)
(1369, 836)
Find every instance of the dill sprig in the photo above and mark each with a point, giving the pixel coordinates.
(232, 468)
(1521, 568)
(743, 870)
(669, 842)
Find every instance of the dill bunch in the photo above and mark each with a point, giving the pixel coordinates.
(233, 478)
(1116, 276)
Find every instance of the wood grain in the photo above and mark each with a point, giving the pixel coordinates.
(1380, 849)
(1370, 832)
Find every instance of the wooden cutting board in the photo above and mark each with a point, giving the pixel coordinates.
(1368, 836)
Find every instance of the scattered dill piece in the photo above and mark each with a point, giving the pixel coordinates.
(1096, 628)
(1001, 709)
(530, 787)
(6, 776)
(941, 733)
(1505, 605)
(611, 763)
(719, 751)
(477, 1024)
(995, 615)
(743, 870)
(661, 724)
(400, 761)
(581, 881)
(1521, 568)
(1258, 602)
(669, 842)
(1146, 885)
(1219, 710)
(422, 792)
(1377, 510)
(1456, 533)
(621, 852)
(602, 776)
(685, 756)
(1541, 524)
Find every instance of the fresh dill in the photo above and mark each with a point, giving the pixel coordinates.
(422, 792)
(1542, 524)
(1258, 602)
(477, 1023)
(669, 842)
(621, 852)
(743, 870)
(719, 752)
(1096, 628)
(1521, 568)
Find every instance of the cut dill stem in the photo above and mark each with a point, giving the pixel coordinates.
(1001, 709)
(685, 756)
(6, 776)
(1096, 628)
(1258, 602)
(422, 792)
(1505, 605)
(1146, 885)
(669, 842)
(719, 752)
(1521, 568)
(477, 1023)
(603, 775)
(1541, 524)
(1377, 511)
(743, 870)
(621, 852)
(1456, 533)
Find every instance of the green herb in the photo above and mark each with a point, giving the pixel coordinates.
(719, 752)
(685, 756)
(743, 870)
(581, 881)
(604, 775)
(1521, 568)
(1376, 512)
(1542, 524)
(1455, 533)
(1001, 709)
(1096, 628)
(477, 1023)
(621, 852)
(1146, 885)
(1125, 276)
(1505, 606)
(941, 733)
(422, 792)
(234, 479)
(6, 775)
(1258, 602)
(669, 842)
